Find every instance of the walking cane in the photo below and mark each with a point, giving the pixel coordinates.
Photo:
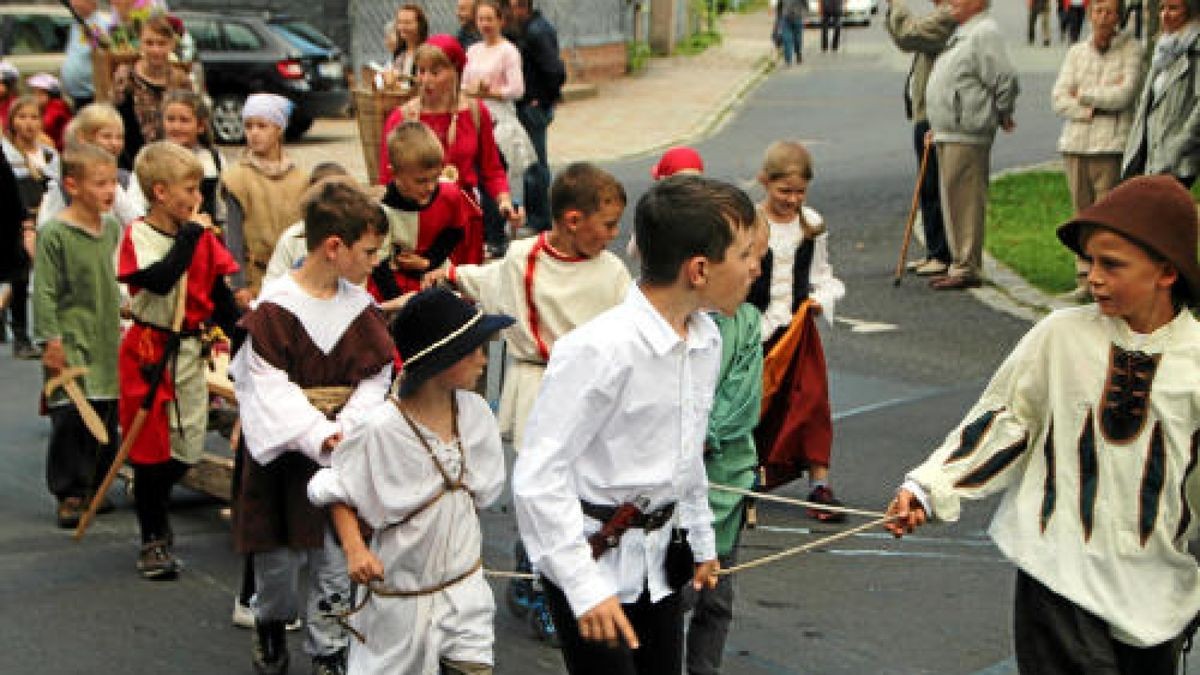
(139, 420)
(912, 216)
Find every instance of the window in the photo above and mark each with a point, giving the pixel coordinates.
(206, 34)
(240, 38)
(39, 34)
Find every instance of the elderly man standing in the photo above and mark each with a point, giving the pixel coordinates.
(467, 34)
(1095, 93)
(544, 74)
(972, 91)
(925, 37)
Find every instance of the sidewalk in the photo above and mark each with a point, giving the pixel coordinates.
(674, 100)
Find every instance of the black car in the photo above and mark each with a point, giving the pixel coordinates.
(245, 54)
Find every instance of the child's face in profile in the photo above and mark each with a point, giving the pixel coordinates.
(595, 231)
(42, 97)
(1127, 283)
(415, 183)
(96, 189)
(354, 263)
(465, 373)
(728, 282)
(178, 199)
(110, 137)
(785, 196)
(262, 137)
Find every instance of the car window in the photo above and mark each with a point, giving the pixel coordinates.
(308, 32)
(240, 38)
(39, 34)
(206, 34)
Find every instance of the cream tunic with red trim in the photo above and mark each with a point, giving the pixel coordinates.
(549, 294)
(1097, 510)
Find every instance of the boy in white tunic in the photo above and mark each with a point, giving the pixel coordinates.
(551, 283)
(615, 441)
(1091, 430)
(415, 472)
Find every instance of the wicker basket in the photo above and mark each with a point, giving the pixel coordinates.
(104, 63)
(372, 109)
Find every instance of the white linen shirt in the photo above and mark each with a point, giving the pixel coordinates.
(621, 414)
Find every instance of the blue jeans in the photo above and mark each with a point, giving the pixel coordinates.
(791, 32)
(536, 119)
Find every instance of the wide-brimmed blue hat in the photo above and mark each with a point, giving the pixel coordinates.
(435, 329)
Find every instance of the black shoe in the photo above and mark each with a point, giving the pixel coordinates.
(330, 664)
(269, 648)
(823, 495)
(156, 562)
(70, 510)
(23, 348)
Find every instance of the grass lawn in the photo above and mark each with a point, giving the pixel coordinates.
(1023, 211)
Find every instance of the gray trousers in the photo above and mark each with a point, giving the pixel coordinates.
(712, 614)
(277, 592)
(963, 175)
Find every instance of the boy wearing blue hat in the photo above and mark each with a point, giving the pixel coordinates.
(416, 471)
(262, 189)
(1090, 431)
(317, 357)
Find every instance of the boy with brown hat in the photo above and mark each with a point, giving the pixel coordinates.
(1091, 430)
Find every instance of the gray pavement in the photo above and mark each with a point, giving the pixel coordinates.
(937, 603)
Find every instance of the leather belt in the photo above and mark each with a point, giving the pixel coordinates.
(646, 521)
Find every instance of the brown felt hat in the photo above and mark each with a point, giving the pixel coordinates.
(1154, 211)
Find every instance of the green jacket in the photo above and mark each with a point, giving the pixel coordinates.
(1165, 137)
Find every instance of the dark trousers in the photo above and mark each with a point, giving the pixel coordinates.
(1073, 21)
(18, 305)
(831, 21)
(791, 34)
(930, 199)
(75, 461)
(659, 628)
(536, 119)
(1056, 637)
(708, 629)
(152, 485)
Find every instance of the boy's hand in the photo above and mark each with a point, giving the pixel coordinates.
(435, 277)
(54, 358)
(331, 443)
(908, 511)
(514, 214)
(29, 238)
(606, 622)
(407, 260)
(243, 297)
(397, 302)
(363, 566)
(203, 220)
(706, 575)
(815, 307)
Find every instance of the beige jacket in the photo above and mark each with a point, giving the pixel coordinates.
(925, 37)
(1100, 114)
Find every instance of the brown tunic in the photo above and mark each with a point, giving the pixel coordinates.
(271, 507)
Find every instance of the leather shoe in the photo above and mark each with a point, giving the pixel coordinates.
(932, 268)
(954, 283)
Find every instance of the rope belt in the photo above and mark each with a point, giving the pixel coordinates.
(328, 400)
(384, 591)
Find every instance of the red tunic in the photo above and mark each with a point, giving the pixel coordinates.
(143, 344)
(55, 117)
(474, 153)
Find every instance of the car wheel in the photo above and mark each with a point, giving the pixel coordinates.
(297, 127)
(227, 119)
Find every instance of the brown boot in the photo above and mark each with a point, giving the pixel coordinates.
(70, 510)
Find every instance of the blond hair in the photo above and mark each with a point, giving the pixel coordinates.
(88, 122)
(164, 162)
(786, 158)
(414, 145)
(78, 158)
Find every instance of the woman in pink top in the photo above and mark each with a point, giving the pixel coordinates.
(465, 129)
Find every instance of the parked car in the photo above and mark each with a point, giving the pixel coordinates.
(248, 53)
(854, 12)
(33, 37)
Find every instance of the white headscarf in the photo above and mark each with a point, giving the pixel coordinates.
(270, 107)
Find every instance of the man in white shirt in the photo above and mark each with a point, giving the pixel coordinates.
(620, 420)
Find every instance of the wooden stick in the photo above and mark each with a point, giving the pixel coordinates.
(139, 419)
(912, 216)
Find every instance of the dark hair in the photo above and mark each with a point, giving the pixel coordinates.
(422, 24)
(685, 216)
(338, 207)
(585, 187)
(324, 170)
(500, 7)
(199, 108)
(160, 24)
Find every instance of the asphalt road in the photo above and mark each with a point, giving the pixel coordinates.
(937, 603)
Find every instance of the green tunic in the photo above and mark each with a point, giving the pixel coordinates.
(730, 456)
(76, 298)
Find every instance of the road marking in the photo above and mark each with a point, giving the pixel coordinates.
(864, 326)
